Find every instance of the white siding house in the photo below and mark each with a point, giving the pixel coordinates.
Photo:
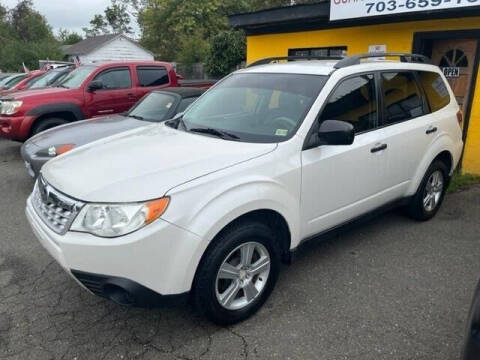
(115, 47)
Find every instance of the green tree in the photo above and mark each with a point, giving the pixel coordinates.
(28, 24)
(68, 38)
(227, 52)
(26, 37)
(165, 22)
(118, 18)
(115, 19)
(98, 26)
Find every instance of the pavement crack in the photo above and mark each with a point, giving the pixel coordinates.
(244, 341)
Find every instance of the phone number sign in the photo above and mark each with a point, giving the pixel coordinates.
(350, 9)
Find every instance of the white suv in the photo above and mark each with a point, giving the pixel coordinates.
(207, 205)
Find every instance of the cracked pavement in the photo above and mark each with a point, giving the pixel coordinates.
(390, 289)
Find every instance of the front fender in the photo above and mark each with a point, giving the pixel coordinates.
(440, 144)
(57, 107)
(209, 206)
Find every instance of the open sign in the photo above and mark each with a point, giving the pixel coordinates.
(451, 72)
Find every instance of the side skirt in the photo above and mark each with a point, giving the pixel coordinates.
(348, 225)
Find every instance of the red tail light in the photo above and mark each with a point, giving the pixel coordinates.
(460, 117)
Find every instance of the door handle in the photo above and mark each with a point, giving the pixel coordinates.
(130, 96)
(431, 130)
(378, 148)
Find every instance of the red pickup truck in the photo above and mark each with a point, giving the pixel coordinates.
(88, 91)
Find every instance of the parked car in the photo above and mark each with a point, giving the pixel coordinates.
(35, 79)
(88, 91)
(11, 80)
(22, 83)
(4, 76)
(471, 348)
(207, 205)
(157, 106)
(49, 78)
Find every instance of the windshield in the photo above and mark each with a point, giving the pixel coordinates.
(77, 77)
(154, 107)
(13, 81)
(255, 107)
(43, 80)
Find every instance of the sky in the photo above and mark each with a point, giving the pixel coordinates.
(67, 14)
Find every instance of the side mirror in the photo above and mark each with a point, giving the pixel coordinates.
(335, 132)
(95, 85)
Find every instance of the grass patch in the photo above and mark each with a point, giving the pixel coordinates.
(463, 181)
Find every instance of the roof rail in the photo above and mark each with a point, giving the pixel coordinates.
(404, 57)
(292, 58)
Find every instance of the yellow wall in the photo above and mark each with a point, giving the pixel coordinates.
(397, 37)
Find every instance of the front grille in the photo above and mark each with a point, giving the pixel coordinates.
(56, 209)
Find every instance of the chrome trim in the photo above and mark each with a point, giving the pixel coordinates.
(57, 210)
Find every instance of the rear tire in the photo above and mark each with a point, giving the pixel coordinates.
(46, 124)
(429, 196)
(228, 287)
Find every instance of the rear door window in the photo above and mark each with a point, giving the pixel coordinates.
(402, 97)
(118, 78)
(152, 76)
(435, 90)
(354, 101)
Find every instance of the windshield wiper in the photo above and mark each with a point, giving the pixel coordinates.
(218, 133)
(62, 86)
(138, 117)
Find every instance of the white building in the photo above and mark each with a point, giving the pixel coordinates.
(113, 47)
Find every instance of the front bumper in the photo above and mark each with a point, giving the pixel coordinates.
(126, 292)
(160, 257)
(33, 163)
(12, 127)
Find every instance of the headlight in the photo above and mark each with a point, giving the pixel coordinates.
(10, 107)
(112, 220)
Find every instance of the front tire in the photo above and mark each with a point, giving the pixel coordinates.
(429, 196)
(237, 273)
(46, 124)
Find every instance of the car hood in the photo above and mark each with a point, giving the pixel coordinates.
(83, 132)
(143, 164)
(46, 92)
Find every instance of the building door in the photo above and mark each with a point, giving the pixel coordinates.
(456, 57)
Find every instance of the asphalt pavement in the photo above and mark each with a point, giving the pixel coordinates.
(390, 289)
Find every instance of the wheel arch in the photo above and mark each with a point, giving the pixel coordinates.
(273, 219)
(442, 149)
(68, 111)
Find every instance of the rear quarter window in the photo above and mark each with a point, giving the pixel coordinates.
(152, 76)
(435, 89)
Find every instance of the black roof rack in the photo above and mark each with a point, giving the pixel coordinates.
(292, 58)
(404, 57)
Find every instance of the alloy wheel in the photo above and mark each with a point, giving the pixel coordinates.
(242, 276)
(433, 191)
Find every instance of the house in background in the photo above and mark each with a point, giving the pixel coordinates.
(113, 47)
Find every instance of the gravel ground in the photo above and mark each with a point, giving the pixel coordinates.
(390, 289)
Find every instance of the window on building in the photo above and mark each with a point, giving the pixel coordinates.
(152, 76)
(321, 51)
(454, 58)
(435, 90)
(402, 97)
(354, 101)
(118, 78)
